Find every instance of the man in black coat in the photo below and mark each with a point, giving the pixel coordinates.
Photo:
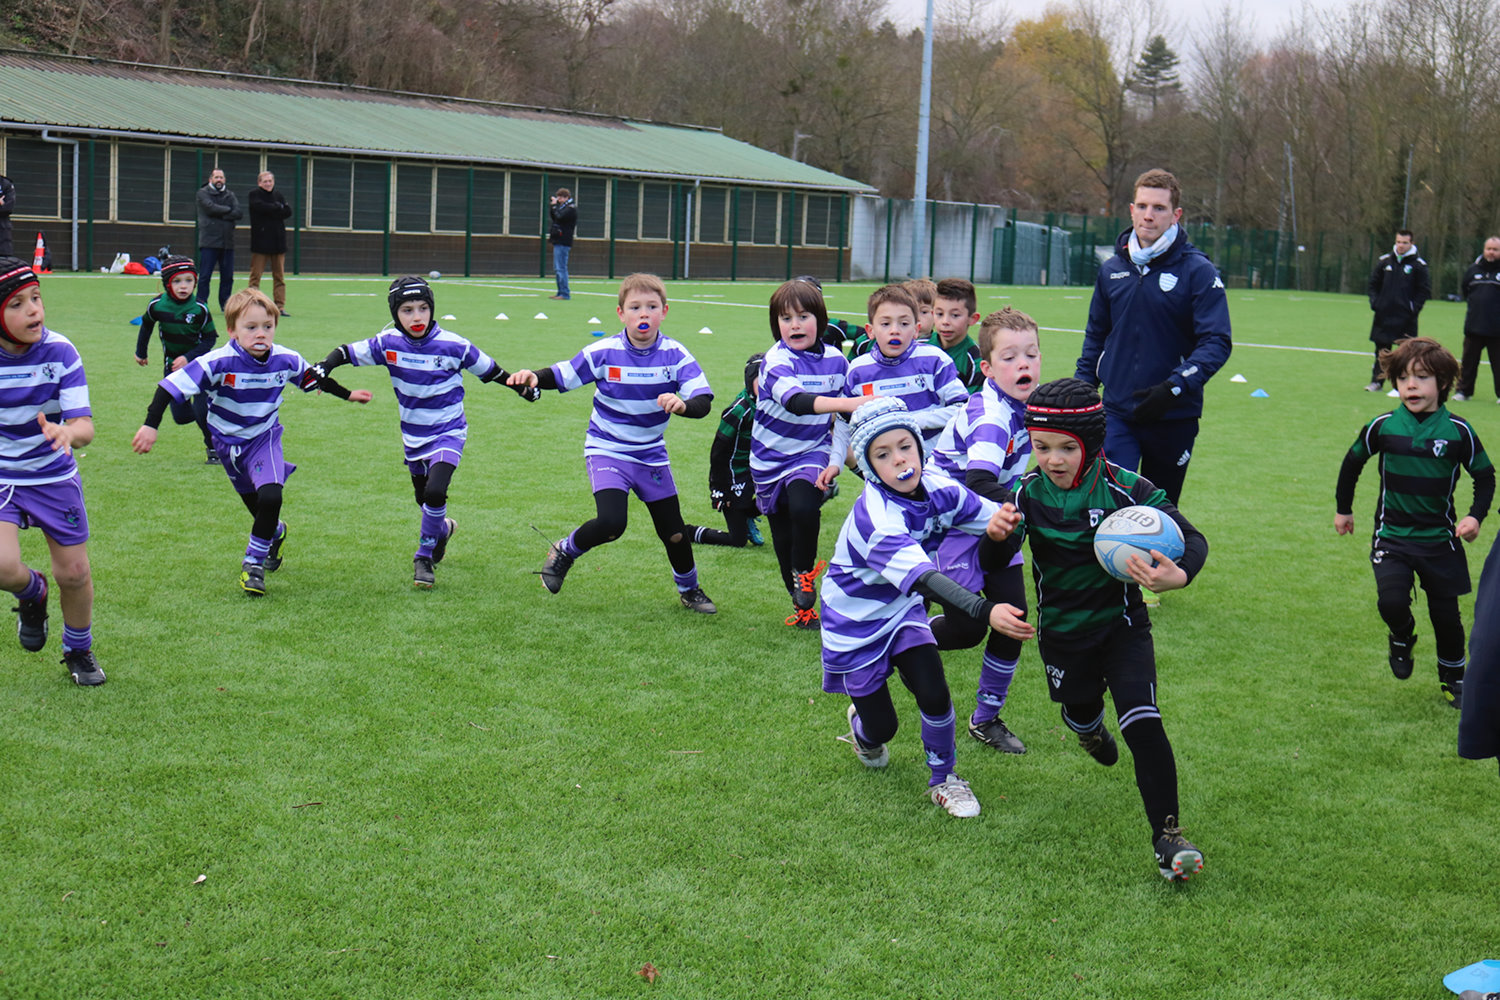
(218, 211)
(564, 221)
(268, 214)
(1399, 287)
(7, 205)
(1481, 289)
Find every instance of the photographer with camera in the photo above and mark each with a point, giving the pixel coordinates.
(564, 222)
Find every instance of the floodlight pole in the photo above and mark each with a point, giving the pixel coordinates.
(924, 120)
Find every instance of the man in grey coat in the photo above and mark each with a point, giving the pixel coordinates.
(218, 210)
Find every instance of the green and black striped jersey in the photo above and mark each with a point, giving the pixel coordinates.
(965, 355)
(187, 328)
(1420, 455)
(729, 457)
(1074, 594)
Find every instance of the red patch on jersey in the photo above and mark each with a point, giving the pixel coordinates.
(229, 379)
(868, 389)
(613, 374)
(1010, 447)
(390, 357)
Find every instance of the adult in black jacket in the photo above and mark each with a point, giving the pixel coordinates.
(1479, 719)
(268, 214)
(218, 211)
(564, 222)
(7, 205)
(1399, 287)
(1481, 289)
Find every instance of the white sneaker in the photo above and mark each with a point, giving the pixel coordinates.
(1459, 397)
(955, 796)
(876, 757)
(1373, 387)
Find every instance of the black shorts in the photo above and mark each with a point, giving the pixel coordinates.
(1119, 656)
(1442, 569)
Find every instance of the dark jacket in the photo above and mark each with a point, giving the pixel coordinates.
(1398, 290)
(1481, 289)
(217, 213)
(268, 214)
(1479, 721)
(564, 222)
(7, 205)
(1170, 323)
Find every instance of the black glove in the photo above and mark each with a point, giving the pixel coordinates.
(530, 393)
(1154, 402)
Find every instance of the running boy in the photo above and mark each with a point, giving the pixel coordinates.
(641, 378)
(955, 309)
(920, 374)
(1093, 631)
(986, 447)
(1417, 531)
(797, 445)
(873, 619)
(730, 489)
(45, 390)
(244, 380)
(426, 364)
(187, 332)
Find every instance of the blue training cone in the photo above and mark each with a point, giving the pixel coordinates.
(1482, 976)
(597, 333)
(1260, 394)
(136, 321)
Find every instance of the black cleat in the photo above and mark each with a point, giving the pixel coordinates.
(211, 458)
(273, 557)
(805, 618)
(1401, 661)
(1101, 746)
(996, 734)
(697, 600)
(1453, 686)
(253, 579)
(555, 569)
(441, 548)
(83, 668)
(31, 621)
(421, 573)
(1176, 859)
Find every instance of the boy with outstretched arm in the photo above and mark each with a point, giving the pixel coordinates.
(1093, 631)
(187, 332)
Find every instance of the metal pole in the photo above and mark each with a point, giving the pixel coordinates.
(791, 230)
(541, 250)
(838, 264)
(924, 121)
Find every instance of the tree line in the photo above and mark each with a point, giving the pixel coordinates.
(1341, 128)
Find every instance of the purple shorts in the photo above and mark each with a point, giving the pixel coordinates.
(856, 683)
(56, 508)
(958, 558)
(768, 495)
(259, 463)
(650, 482)
(422, 466)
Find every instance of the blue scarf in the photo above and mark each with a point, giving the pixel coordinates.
(1140, 258)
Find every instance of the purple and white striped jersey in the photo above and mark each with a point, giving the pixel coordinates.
(989, 434)
(887, 542)
(922, 376)
(428, 375)
(782, 441)
(244, 394)
(45, 378)
(626, 422)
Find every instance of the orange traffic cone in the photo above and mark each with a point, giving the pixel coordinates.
(41, 249)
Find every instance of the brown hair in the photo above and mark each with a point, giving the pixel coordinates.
(1426, 354)
(894, 294)
(959, 290)
(1008, 318)
(924, 290)
(564, 193)
(642, 282)
(795, 296)
(244, 299)
(1158, 178)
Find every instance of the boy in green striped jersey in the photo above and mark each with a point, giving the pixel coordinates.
(1417, 530)
(1093, 631)
(730, 488)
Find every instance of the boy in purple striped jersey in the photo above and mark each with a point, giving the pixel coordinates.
(45, 397)
(641, 378)
(426, 364)
(986, 448)
(874, 623)
(797, 445)
(244, 380)
(922, 376)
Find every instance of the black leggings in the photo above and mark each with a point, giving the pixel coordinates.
(795, 524)
(959, 631)
(432, 489)
(265, 506)
(1394, 603)
(921, 670)
(1155, 764)
(609, 522)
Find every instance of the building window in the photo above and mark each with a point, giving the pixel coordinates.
(526, 201)
(140, 183)
(656, 211)
(712, 218)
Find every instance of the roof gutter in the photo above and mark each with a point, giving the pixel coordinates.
(74, 213)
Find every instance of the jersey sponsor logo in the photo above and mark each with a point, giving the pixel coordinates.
(819, 383)
(401, 360)
(1167, 282)
(240, 380)
(14, 376)
(868, 389)
(1010, 447)
(229, 380)
(619, 373)
(892, 386)
(1118, 275)
(1055, 675)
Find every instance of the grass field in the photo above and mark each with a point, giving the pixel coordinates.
(488, 791)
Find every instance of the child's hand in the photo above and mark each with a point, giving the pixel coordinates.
(178, 362)
(141, 361)
(1008, 620)
(361, 396)
(1468, 529)
(671, 402)
(1165, 575)
(826, 478)
(60, 434)
(1343, 523)
(1003, 522)
(525, 377)
(144, 440)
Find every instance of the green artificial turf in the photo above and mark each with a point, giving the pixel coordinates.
(489, 791)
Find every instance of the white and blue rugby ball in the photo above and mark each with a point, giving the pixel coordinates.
(1135, 531)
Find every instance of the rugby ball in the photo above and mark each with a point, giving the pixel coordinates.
(1135, 531)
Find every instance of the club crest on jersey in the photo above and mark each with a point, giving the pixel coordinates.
(1055, 675)
(1095, 515)
(1438, 447)
(49, 372)
(1167, 281)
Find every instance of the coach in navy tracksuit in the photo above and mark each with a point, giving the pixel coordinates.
(1158, 329)
(1479, 721)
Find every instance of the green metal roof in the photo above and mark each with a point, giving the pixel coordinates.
(157, 102)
